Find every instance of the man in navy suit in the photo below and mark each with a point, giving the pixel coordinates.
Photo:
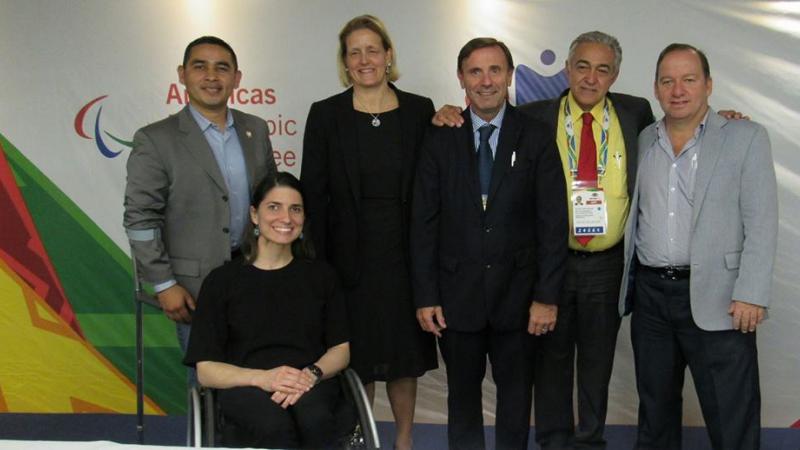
(489, 234)
(588, 320)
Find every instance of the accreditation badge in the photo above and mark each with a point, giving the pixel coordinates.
(589, 211)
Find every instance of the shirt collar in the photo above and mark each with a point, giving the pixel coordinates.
(661, 126)
(497, 120)
(204, 123)
(577, 112)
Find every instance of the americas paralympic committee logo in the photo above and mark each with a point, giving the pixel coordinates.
(97, 136)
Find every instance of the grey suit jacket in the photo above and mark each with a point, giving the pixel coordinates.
(176, 203)
(734, 222)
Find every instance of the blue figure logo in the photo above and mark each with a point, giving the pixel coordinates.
(532, 86)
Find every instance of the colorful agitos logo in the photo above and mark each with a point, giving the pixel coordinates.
(532, 86)
(97, 136)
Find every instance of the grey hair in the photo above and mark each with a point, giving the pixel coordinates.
(598, 37)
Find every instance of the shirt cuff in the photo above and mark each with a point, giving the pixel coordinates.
(160, 287)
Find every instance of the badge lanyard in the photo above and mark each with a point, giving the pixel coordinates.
(572, 153)
(589, 209)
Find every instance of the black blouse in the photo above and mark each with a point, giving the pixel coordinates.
(262, 319)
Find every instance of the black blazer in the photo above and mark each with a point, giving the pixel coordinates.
(486, 267)
(634, 115)
(330, 174)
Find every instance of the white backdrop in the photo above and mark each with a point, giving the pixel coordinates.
(59, 55)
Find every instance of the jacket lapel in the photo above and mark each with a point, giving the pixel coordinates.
(710, 151)
(246, 139)
(408, 135)
(465, 140)
(630, 136)
(348, 142)
(197, 146)
(551, 114)
(506, 145)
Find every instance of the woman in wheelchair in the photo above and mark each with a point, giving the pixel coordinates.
(270, 331)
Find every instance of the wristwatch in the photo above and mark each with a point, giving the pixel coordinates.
(314, 369)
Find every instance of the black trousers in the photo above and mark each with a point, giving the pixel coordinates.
(724, 366)
(252, 419)
(464, 355)
(588, 320)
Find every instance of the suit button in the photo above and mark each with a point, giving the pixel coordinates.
(488, 266)
(224, 198)
(225, 230)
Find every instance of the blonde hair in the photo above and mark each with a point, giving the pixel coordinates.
(365, 22)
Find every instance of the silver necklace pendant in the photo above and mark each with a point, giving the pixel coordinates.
(376, 122)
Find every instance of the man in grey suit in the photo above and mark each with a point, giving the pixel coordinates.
(189, 181)
(701, 242)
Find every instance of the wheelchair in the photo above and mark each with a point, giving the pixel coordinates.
(203, 417)
(207, 422)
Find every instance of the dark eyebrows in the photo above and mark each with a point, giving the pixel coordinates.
(195, 61)
(291, 205)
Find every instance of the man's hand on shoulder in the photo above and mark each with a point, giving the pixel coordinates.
(542, 318)
(746, 316)
(448, 115)
(431, 319)
(176, 303)
(731, 114)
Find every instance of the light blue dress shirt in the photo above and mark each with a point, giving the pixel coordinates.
(477, 122)
(666, 198)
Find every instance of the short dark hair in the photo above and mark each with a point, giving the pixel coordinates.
(212, 40)
(483, 42)
(676, 46)
(302, 247)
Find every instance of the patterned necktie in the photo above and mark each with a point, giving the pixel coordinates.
(587, 161)
(485, 158)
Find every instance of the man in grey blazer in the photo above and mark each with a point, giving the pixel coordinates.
(701, 242)
(189, 181)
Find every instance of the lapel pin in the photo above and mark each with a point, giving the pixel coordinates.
(248, 133)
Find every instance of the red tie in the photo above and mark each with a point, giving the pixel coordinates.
(587, 161)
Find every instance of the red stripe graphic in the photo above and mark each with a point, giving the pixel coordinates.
(22, 248)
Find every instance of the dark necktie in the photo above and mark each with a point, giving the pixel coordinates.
(587, 161)
(485, 158)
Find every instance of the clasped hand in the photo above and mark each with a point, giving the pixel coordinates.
(286, 384)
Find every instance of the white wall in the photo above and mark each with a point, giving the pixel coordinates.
(58, 55)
